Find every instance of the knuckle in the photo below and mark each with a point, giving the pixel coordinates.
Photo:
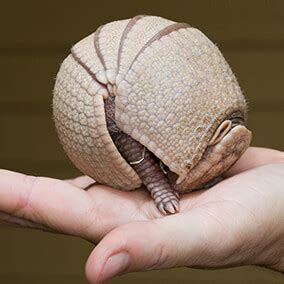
(23, 202)
(161, 253)
(161, 257)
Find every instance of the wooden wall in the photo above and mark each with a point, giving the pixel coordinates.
(37, 35)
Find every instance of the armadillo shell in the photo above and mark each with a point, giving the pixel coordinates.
(172, 88)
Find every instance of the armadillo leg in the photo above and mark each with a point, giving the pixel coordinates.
(147, 168)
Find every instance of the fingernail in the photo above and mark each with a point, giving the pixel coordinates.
(115, 265)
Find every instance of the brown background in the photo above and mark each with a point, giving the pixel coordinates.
(37, 35)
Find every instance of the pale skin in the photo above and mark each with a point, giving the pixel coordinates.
(237, 222)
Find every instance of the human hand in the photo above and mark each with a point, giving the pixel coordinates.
(65, 207)
(237, 222)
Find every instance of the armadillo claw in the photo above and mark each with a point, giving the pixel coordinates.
(168, 204)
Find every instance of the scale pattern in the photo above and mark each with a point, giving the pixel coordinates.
(172, 89)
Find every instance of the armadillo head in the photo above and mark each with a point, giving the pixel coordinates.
(174, 93)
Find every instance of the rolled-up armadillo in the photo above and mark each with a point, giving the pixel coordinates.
(148, 101)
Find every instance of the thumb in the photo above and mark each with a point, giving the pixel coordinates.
(161, 243)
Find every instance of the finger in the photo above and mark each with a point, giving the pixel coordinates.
(82, 181)
(255, 157)
(11, 220)
(166, 242)
(49, 202)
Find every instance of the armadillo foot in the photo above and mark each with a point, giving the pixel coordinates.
(166, 201)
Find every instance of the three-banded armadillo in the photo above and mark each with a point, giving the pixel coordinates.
(148, 101)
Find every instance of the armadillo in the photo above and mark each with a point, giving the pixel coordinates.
(148, 102)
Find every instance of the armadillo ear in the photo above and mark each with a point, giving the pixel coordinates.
(221, 131)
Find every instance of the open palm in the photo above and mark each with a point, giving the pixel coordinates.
(223, 226)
